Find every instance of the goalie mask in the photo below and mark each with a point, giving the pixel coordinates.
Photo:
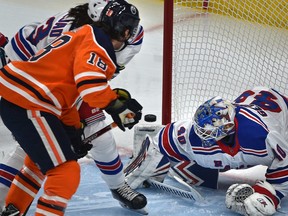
(95, 8)
(214, 120)
(120, 16)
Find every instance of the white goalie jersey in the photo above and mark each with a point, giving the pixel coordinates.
(260, 138)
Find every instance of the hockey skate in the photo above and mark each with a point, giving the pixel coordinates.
(10, 210)
(130, 199)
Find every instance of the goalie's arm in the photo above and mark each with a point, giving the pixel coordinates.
(276, 173)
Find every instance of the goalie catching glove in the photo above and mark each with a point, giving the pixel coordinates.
(259, 200)
(125, 111)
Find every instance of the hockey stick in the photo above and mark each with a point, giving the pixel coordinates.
(99, 133)
(192, 194)
(103, 130)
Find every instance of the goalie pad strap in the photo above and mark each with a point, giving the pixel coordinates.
(266, 192)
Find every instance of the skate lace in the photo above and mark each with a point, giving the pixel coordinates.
(126, 192)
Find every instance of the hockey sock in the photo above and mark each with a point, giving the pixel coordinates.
(62, 182)
(25, 186)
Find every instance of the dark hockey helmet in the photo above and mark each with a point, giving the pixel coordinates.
(119, 16)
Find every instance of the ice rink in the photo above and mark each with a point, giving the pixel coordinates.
(143, 78)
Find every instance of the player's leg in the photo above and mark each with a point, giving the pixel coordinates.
(26, 185)
(105, 155)
(107, 159)
(8, 169)
(43, 138)
(62, 182)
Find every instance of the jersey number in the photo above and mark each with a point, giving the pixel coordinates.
(93, 60)
(264, 99)
(181, 135)
(56, 44)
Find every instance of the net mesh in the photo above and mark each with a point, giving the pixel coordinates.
(223, 47)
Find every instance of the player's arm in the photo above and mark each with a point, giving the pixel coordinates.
(264, 197)
(36, 35)
(20, 48)
(277, 170)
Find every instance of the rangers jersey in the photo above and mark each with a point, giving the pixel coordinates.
(260, 138)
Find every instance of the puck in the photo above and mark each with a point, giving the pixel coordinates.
(150, 118)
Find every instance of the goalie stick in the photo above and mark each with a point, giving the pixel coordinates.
(192, 194)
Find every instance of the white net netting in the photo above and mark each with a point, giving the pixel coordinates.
(223, 47)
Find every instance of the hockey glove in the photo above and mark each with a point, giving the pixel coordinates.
(3, 56)
(3, 40)
(76, 136)
(257, 201)
(125, 111)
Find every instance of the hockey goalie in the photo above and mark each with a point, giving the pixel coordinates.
(223, 135)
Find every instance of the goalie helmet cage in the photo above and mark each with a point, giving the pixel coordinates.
(221, 47)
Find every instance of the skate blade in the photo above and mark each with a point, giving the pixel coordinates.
(142, 211)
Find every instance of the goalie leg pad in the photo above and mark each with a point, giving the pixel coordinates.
(149, 163)
(196, 175)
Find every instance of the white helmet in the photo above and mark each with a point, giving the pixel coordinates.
(95, 8)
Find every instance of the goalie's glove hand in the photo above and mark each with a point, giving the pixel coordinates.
(263, 201)
(235, 196)
(257, 201)
(125, 111)
(76, 136)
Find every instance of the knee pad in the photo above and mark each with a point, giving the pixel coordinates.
(63, 180)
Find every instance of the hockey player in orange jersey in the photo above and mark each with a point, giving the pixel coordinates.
(37, 35)
(38, 107)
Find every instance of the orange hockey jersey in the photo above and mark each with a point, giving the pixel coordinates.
(78, 63)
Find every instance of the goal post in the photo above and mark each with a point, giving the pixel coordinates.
(221, 47)
(167, 61)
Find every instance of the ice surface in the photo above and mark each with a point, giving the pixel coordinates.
(142, 77)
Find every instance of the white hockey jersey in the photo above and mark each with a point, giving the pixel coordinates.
(261, 138)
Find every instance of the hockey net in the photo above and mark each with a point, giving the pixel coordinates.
(221, 47)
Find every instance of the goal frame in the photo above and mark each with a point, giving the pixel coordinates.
(167, 62)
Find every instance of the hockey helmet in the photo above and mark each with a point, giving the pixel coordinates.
(95, 8)
(119, 16)
(214, 120)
